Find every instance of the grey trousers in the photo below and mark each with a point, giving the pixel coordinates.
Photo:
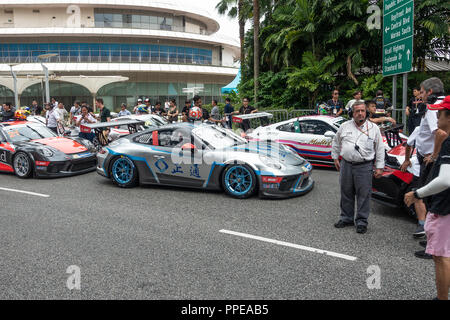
(356, 183)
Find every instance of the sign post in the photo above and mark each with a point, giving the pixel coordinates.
(398, 37)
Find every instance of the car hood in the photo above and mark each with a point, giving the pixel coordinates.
(67, 146)
(273, 150)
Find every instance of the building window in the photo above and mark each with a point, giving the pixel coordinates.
(105, 52)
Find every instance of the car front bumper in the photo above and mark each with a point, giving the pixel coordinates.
(290, 186)
(67, 168)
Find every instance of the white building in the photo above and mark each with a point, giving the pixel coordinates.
(117, 50)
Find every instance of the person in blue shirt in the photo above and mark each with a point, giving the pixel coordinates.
(229, 109)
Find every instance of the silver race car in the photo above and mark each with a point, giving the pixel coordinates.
(205, 157)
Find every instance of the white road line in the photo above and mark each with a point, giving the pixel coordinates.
(26, 192)
(292, 245)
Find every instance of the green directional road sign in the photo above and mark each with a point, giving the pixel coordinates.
(398, 36)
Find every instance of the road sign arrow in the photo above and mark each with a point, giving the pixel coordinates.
(408, 53)
(387, 29)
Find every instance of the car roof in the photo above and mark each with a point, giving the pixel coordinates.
(327, 119)
(15, 123)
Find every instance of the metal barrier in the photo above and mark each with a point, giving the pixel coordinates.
(278, 115)
(301, 113)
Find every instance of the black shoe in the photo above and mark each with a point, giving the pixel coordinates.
(423, 244)
(343, 224)
(423, 255)
(361, 229)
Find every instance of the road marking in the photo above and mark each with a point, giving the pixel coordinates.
(26, 192)
(291, 245)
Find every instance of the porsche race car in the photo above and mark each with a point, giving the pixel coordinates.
(310, 136)
(205, 156)
(31, 149)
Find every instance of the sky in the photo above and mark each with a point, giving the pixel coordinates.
(228, 27)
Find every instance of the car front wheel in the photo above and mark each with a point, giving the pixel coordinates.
(239, 181)
(23, 167)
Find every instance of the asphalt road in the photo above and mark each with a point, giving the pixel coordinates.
(163, 243)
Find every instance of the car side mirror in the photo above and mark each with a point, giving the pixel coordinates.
(330, 134)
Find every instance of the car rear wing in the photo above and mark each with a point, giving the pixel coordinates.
(251, 116)
(100, 127)
(392, 135)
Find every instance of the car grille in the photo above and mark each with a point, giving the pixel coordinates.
(80, 166)
(288, 183)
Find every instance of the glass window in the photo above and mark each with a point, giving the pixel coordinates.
(288, 127)
(99, 17)
(153, 20)
(135, 21)
(145, 22)
(108, 17)
(314, 127)
(117, 17)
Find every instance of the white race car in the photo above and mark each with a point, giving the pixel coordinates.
(310, 136)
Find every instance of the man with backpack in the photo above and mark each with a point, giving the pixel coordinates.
(383, 103)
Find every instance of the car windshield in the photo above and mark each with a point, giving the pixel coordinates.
(218, 138)
(27, 132)
(339, 122)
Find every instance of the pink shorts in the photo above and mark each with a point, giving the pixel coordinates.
(437, 229)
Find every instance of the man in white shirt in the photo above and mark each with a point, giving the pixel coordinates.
(428, 143)
(75, 111)
(359, 143)
(356, 97)
(52, 117)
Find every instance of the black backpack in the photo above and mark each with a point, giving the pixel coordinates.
(380, 102)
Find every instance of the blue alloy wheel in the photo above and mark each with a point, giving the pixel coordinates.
(239, 181)
(124, 172)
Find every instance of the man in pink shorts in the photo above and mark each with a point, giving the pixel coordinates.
(437, 225)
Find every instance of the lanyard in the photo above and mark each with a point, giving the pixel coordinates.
(364, 132)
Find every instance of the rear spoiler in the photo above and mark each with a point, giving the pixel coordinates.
(100, 127)
(258, 115)
(392, 135)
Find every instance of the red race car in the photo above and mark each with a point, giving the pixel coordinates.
(31, 149)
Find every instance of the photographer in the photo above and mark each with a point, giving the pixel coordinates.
(86, 118)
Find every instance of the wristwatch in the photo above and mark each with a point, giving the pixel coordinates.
(416, 195)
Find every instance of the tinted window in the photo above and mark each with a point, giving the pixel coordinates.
(315, 127)
(288, 127)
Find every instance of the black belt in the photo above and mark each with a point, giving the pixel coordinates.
(359, 163)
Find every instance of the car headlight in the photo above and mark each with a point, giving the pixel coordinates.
(46, 152)
(270, 162)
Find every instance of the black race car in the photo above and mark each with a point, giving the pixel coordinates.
(31, 149)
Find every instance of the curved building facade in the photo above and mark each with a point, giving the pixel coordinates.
(117, 50)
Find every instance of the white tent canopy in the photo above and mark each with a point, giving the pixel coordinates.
(91, 83)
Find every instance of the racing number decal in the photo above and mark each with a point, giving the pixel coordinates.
(5, 152)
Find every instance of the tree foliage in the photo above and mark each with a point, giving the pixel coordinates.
(310, 47)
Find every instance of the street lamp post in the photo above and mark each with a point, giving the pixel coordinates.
(14, 76)
(41, 58)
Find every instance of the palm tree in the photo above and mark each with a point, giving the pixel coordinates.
(240, 9)
(256, 62)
